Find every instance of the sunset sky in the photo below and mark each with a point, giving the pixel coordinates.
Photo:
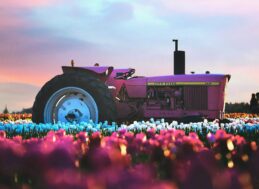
(37, 37)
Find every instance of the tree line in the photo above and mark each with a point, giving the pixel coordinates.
(241, 107)
(229, 108)
(23, 111)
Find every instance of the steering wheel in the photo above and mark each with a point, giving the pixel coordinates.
(131, 72)
(125, 75)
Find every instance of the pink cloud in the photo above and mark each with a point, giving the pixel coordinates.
(27, 3)
(7, 21)
(201, 7)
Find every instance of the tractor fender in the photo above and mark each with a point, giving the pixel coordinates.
(100, 72)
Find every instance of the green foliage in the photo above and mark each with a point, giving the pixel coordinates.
(237, 107)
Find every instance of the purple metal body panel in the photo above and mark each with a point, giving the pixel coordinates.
(188, 77)
(136, 87)
(97, 69)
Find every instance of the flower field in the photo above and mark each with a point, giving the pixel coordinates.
(14, 117)
(146, 154)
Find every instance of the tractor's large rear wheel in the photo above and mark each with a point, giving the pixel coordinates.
(73, 98)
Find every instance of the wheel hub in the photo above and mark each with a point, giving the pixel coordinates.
(71, 104)
(73, 108)
(74, 115)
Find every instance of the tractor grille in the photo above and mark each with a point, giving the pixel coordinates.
(196, 97)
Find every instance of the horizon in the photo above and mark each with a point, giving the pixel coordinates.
(28, 108)
(38, 37)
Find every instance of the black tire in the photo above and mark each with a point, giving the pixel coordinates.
(189, 119)
(95, 87)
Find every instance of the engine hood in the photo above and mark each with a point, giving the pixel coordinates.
(188, 79)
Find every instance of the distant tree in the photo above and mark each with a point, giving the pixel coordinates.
(5, 110)
(26, 111)
(253, 103)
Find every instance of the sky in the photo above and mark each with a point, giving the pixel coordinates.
(37, 37)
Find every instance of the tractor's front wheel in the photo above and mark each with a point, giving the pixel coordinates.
(73, 98)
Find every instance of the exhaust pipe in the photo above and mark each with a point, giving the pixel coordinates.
(179, 60)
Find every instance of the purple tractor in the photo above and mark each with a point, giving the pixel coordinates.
(103, 93)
